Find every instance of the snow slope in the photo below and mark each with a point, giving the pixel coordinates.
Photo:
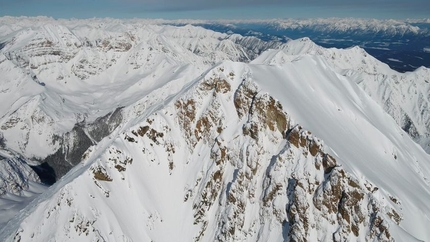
(231, 157)
(403, 95)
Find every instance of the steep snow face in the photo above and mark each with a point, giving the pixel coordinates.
(231, 157)
(65, 82)
(406, 98)
(403, 95)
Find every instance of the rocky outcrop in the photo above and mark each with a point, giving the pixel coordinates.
(15, 174)
(75, 143)
(301, 190)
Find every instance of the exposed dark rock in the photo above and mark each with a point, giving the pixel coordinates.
(101, 175)
(243, 97)
(409, 127)
(46, 173)
(2, 141)
(73, 146)
(76, 142)
(103, 126)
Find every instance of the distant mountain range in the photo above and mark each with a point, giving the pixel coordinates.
(401, 44)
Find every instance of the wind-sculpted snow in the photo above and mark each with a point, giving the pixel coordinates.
(244, 153)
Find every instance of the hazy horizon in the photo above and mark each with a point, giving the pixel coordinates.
(221, 9)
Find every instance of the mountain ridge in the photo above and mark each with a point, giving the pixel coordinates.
(200, 129)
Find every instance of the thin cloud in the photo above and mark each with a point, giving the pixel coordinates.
(220, 8)
(399, 7)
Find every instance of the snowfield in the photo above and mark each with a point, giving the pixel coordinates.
(164, 133)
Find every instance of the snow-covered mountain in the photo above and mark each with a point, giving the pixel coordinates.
(171, 135)
(405, 96)
(232, 157)
(402, 44)
(353, 25)
(65, 84)
(387, 27)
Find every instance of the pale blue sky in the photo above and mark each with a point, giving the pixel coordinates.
(210, 9)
